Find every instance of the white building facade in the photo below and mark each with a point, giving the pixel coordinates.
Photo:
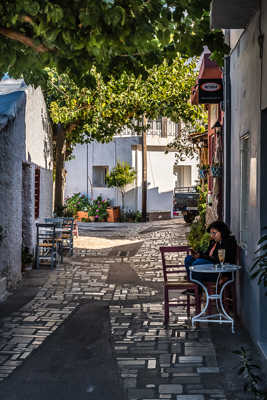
(245, 133)
(86, 172)
(26, 183)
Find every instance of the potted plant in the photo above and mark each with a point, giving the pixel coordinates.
(78, 205)
(203, 171)
(97, 211)
(91, 213)
(130, 215)
(216, 170)
(138, 216)
(120, 176)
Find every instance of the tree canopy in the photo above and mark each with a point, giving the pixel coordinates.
(112, 35)
(98, 114)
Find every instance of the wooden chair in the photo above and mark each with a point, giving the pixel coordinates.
(67, 234)
(46, 245)
(75, 228)
(175, 278)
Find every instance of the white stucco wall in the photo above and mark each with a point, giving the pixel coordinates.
(12, 151)
(25, 143)
(39, 145)
(38, 152)
(98, 154)
(235, 35)
(245, 67)
(161, 179)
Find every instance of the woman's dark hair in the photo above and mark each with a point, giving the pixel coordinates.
(221, 227)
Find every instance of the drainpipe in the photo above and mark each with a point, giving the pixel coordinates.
(227, 142)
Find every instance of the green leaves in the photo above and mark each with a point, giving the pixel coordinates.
(252, 379)
(259, 268)
(114, 36)
(99, 112)
(120, 176)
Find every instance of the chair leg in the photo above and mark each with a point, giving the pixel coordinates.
(53, 258)
(166, 306)
(71, 246)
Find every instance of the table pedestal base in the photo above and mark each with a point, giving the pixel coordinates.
(221, 317)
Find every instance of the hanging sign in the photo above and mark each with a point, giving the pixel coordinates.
(210, 91)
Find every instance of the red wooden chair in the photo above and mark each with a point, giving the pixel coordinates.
(175, 278)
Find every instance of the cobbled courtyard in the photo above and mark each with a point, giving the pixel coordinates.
(178, 363)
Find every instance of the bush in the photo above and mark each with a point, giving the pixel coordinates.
(198, 237)
(98, 208)
(131, 216)
(77, 202)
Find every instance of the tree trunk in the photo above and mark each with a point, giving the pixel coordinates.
(122, 200)
(144, 171)
(59, 166)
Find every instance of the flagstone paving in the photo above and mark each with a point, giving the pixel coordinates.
(154, 363)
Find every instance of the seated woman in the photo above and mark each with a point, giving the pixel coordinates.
(221, 238)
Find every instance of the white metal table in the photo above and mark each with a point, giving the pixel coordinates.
(221, 316)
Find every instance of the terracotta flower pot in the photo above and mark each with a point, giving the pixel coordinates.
(113, 214)
(91, 218)
(82, 215)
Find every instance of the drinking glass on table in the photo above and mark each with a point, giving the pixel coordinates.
(221, 256)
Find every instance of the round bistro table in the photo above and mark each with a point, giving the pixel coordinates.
(221, 316)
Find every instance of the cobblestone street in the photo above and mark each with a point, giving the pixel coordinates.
(150, 362)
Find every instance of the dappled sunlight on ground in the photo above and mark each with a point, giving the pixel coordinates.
(85, 242)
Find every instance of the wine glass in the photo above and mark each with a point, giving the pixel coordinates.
(221, 256)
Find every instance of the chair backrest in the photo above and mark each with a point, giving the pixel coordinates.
(58, 221)
(172, 268)
(68, 222)
(45, 232)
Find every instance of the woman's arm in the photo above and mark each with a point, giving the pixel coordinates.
(230, 250)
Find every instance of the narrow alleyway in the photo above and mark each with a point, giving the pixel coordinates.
(93, 329)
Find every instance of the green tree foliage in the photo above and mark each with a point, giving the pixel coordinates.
(121, 176)
(87, 114)
(99, 113)
(112, 35)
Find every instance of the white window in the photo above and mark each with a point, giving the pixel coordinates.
(99, 175)
(183, 175)
(244, 189)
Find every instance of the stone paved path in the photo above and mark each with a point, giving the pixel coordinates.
(178, 363)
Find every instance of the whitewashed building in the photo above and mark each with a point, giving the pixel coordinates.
(245, 135)
(86, 172)
(26, 183)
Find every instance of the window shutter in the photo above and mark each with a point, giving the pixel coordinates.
(164, 127)
(37, 192)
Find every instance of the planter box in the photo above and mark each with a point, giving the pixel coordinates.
(203, 173)
(216, 171)
(81, 215)
(113, 214)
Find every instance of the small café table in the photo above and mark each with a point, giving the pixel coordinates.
(221, 316)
